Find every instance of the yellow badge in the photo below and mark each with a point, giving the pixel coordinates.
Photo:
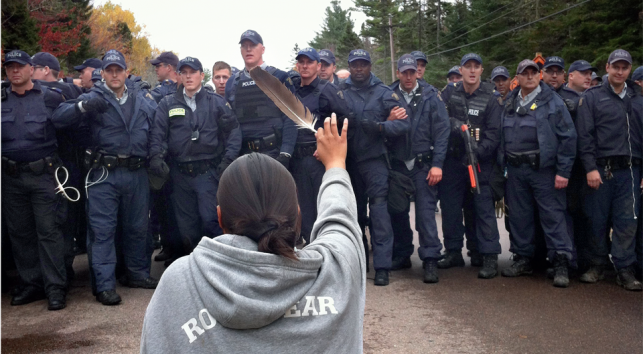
(340, 94)
(580, 103)
(177, 112)
(395, 96)
(533, 107)
(289, 81)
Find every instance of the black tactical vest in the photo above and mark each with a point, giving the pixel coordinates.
(251, 104)
(520, 131)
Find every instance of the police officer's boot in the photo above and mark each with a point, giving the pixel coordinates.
(489, 266)
(593, 274)
(451, 259)
(626, 279)
(430, 266)
(561, 276)
(521, 265)
(477, 260)
(381, 277)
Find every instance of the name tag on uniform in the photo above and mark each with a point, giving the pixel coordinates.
(177, 112)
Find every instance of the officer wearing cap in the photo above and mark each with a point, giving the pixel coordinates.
(198, 132)
(117, 184)
(31, 208)
(421, 61)
(97, 75)
(537, 148)
(453, 75)
(165, 66)
(476, 104)
(420, 156)
(637, 76)
(609, 123)
(378, 115)
(554, 72)
(322, 99)
(46, 69)
(86, 70)
(500, 77)
(264, 127)
(328, 67)
(596, 80)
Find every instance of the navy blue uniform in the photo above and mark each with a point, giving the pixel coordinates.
(193, 161)
(264, 127)
(609, 137)
(481, 111)
(322, 99)
(373, 102)
(31, 209)
(536, 147)
(163, 89)
(121, 136)
(426, 142)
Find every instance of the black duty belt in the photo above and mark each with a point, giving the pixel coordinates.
(531, 159)
(269, 142)
(304, 149)
(195, 168)
(132, 163)
(38, 167)
(618, 162)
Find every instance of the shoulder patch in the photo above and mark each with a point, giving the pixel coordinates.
(580, 102)
(500, 100)
(176, 112)
(149, 96)
(228, 104)
(289, 81)
(439, 94)
(395, 96)
(455, 84)
(340, 93)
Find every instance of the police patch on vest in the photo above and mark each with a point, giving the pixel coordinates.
(176, 112)
(473, 112)
(395, 96)
(7, 110)
(248, 83)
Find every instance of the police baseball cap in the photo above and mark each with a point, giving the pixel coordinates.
(499, 71)
(327, 56)
(194, 63)
(310, 53)
(470, 56)
(358, 54)
(527, 63)
(166, 58)
(455, 70)
(114, 57)
(581, 65)
(46, 59)
(619, 54)
(89, 63)
(554, 61)
(252, 36)
(407, 62)
(419, 56)
(637, 75)
(17, 56)
(96, 75)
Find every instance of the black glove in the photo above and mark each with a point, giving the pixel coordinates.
(284, 159)
(227, 122)
(95, 105)
(223, 165)
(455, 124)
(144, 85)
(158, 167)
(370, 127)
(571, 106)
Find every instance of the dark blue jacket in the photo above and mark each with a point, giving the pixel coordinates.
(374, 101)
(429, 131)
(163, 89)
(28, 132)
(555, 130)
(608, 125)
(323, 99)
(280, 123)
(114, 132)
(174, 122)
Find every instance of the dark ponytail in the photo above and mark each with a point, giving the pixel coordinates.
(258, 199)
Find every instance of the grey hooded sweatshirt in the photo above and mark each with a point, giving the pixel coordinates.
(226, 297)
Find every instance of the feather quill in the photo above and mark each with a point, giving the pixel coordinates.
(285, 100)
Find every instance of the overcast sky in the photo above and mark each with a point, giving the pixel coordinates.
(210, 29)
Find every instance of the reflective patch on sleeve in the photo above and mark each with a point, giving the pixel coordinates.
(395, 96)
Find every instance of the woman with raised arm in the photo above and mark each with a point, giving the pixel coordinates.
(250, 290)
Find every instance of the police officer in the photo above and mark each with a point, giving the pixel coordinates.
(221, 73)
(453, 75)
(165, 66)
(328, 67)
(86, 70)
(198, 131)
(554, 72)
(610, 142)
(264, 127)
(31, 209)
(475, 104)
(420, 157)
(538, 146)
(322, 99)
(97, 75)
(120, 118)
(421, 61)
(46, 69)
(373, 103)
(637, 76)
(500, 78)
(596, 80)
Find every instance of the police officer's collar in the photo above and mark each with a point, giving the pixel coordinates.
(313, 83)
(372, 80)
(36, 87)
(417, 85)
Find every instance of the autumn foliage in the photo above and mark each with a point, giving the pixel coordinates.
(59, 33)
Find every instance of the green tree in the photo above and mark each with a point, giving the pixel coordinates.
(293, 59)
(333, 28)
(207, 79)
(347, 42)
(19, 29)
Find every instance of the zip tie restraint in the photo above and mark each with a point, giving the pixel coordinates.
(61, 186)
